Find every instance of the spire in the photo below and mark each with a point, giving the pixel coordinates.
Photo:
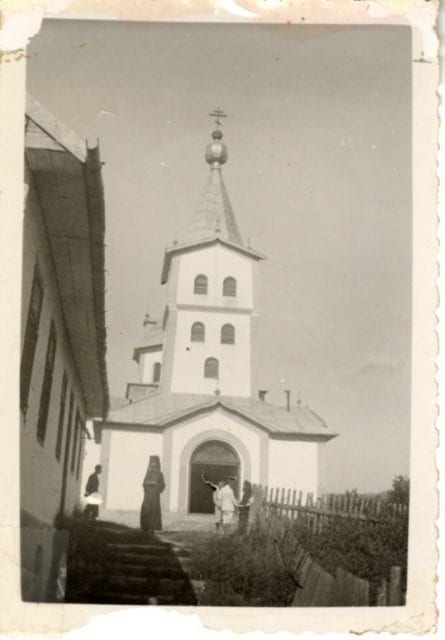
(213, 215)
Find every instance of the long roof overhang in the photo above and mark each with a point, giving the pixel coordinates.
(176, 249)
(68, 181)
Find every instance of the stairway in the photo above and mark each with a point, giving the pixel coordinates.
(119, 565)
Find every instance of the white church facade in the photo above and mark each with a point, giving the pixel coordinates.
(194, 403)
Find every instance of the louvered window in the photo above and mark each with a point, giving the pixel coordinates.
(198, 333)
(228, 334)
(211, 368)
(69, 431)
(30, 340)
(157, 372)
(48, 374)
(81, 442)
(229, 287)
(61, 416)
(201, 283)
(75, 439)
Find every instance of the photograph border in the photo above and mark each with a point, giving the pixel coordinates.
(419, 614)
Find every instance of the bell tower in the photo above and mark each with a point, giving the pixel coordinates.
(212, 279)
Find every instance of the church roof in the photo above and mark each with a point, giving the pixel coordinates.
(153, 336)
(164, 409)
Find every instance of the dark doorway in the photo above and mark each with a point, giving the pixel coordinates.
(216, 460)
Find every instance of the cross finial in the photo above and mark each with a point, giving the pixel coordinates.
(218, 113)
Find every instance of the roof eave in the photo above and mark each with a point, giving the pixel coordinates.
(56, 129)
(96, 218)
(205, 242)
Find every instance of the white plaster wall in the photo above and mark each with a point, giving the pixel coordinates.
(293, 465)
(234, 359)
(128, 461)
(147, 361)
(224, 424)
(217, 263)
(40, 470)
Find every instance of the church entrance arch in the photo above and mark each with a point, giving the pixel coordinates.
(215, 460)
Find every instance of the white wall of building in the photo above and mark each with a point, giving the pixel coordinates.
(293, 465)
(128, 461)
(211, 426)
(146, 362)
(41, 471)
(216, 262)
(234, 359)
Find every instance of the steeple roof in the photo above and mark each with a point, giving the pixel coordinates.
(213, 214)
(213, 220)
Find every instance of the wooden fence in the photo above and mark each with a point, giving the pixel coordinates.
(316, 587)
(317, 512)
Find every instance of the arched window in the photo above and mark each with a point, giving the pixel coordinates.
(156, 372)
(229, 287)
(211, 368)
(228, 334)
(201, 284)
(198, 332)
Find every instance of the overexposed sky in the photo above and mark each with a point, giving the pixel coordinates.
(319, 177)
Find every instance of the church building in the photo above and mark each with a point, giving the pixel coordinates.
(193, 404)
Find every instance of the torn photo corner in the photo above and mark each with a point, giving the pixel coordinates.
(220, 337)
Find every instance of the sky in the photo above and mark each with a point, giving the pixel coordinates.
(319, 176)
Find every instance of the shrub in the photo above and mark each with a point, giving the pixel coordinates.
(365, 550)
(243, 570)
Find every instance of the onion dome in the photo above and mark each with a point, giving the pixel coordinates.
(216, 151)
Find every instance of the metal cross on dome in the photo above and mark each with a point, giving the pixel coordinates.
(218, 113)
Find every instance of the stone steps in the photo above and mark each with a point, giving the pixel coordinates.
(135, 569)
(147, 586)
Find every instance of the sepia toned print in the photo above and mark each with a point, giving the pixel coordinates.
(218, 321)
(217, 399)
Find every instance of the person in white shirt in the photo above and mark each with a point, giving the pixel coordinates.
(216, 488)
(228, 504)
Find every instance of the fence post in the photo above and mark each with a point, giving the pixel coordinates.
(287, 512)
(382, 594)
(395, 587)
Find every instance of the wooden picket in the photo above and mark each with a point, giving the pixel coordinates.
(318, 512)
(316, 586)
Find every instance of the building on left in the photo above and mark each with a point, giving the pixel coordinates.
(63, 378)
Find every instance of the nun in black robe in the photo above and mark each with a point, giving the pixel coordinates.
(153, 485)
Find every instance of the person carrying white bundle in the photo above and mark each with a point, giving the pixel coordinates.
(92, 495)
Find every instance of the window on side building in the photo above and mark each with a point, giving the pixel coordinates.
(157, 372)
(61, 422)
(48, 374)
(30, 339)
(77, 434)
